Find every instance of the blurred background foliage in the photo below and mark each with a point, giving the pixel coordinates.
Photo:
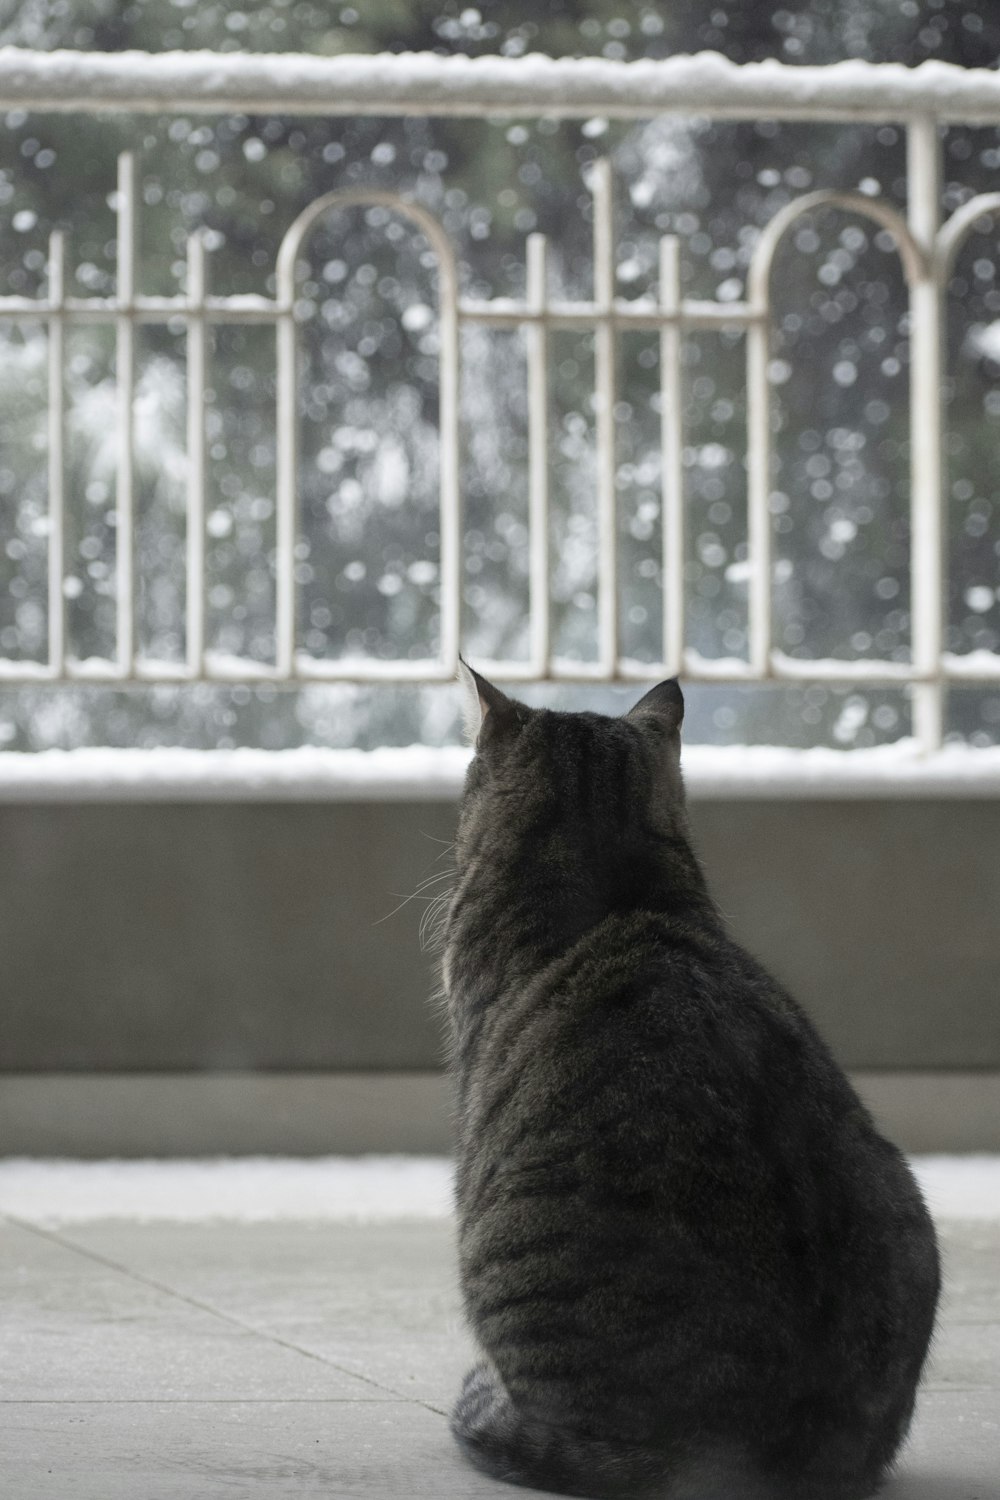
(368, 552)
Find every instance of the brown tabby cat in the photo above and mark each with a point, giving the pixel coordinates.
(694, 1268)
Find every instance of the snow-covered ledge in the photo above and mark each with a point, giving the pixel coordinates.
(420, 773)
(428, 84)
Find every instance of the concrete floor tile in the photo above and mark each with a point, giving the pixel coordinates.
(953, 1452)
(970, 1253)
(74, 1327)
(381, 1300)
(965, 1354)
(378, 1300)
(200, 1451)
(385, 1451)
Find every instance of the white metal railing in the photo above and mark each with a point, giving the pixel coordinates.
(921, 99)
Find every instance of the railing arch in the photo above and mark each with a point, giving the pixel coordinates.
(954, 231)
(915, 264)
(287, 472)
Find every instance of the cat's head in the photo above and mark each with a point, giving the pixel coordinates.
(580, 776)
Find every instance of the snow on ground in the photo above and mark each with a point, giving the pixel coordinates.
(960, 1187)
(366, 1189)
(248, 1190)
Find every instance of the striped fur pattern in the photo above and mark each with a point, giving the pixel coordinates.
(692, 1265)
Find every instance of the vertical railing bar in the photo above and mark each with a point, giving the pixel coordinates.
(56, 453)
(195, 510)
(287, 464)
(926, 512)
(759, 531)
(605, 383)
(125, 383)
(671, 458)
(449, 484)
(537, 337)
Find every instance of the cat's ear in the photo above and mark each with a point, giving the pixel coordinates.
(664, 703)
(479, 698)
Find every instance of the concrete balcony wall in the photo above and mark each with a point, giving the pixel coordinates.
(224, 941)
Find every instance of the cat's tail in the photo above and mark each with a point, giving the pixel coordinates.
(513, 1446)
(510, 1445)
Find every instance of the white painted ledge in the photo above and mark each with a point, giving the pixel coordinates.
(419, 773)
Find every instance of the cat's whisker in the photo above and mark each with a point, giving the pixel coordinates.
(432, 923)
(429, 880)
(448, 843)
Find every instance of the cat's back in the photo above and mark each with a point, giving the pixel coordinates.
(655, 1096)
(661, 1026)
(656, 1135)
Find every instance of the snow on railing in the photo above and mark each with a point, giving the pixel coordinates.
(920, 98)
(425, 84)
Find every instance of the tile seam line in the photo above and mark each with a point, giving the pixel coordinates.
(159, 1286)
(205, 1401)
(971, 1322)
(372, 1401)
(926, 1388)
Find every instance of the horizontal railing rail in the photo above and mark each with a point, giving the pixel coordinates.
(707, 85)
(921, 99)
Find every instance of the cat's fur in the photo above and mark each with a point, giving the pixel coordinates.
(693, 1267)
